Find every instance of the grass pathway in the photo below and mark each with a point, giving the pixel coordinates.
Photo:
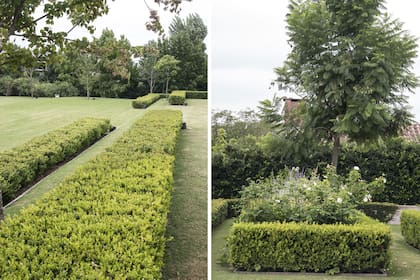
(405, 261)
(186, 254)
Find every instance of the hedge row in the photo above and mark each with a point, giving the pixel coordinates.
(410, 227)
(196, 94)
(382, 211)
(309, 247)
(106, 221)
(224, 208)
(21, 165)
(145, 101)
(177, 97)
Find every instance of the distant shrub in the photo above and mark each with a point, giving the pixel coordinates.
(382, 211)
(177, 97)
(196, 94)
(143, 102)
(23, 86)
(23, 164)
(309, 247)
(410, 227)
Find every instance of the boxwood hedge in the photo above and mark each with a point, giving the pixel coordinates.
(145, 101)
(382, 211)
(23, 164)
(309, 247)
(108, 220)
(177, 97)
(196, 94)
(219, 211)
(410, 227)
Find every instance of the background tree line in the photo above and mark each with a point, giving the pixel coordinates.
(111, 67)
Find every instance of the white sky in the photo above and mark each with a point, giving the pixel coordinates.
(249, 40)
(128, 18)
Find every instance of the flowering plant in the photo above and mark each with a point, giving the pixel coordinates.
(290, 196)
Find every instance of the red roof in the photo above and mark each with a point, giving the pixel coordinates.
(412, 132)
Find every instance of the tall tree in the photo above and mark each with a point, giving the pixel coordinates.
(351, 62)
(186, 44)
(149, 56)
(167, 67)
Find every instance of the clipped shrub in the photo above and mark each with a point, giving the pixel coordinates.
(21, 165)
(382, 211)
(107, 220)
(302, 247)
(196, 94)
(410, 227)
(177, 97)
(145, 101)
(219, 211)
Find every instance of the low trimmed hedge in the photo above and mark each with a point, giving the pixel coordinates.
(196, 94)
(301, 247)
(219, 211)
(145, 101)
(382, 211)
(21, 165)
(222, 209)
(106, 221)
(410, 227)
(177, 97)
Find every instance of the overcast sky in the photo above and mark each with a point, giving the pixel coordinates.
(128, 18)
(249, 40)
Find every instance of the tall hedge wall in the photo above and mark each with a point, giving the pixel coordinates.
(196, 94)
(23, 164)
(309, 247)
(410, 227)
(245, 158)
(106, 221)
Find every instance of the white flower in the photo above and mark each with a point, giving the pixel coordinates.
(349, 193)
(356, 168)
(367, 198)
(384, 180)
(339, 200)
(308, 188)
(278, 201)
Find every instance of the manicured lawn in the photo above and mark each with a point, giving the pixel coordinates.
(405, 261)
(23, 118)
(186, 253)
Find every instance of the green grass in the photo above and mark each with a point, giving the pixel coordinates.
(25, 118)
(405, 261)
(186, 253)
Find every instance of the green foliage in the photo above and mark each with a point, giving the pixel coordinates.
(6, 85)
(350, 62)
(143, 102)
(23, 164)
(410, 227)
(310, 248)
(236, 161)
(196, 94)
(167, 67)
(177, 97)
(107, 220)
(382, 211)
(219, 211)
(291, 197)
(397, 160)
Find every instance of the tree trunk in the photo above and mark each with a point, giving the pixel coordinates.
(167, 84)
(336, 150)
(1, 206)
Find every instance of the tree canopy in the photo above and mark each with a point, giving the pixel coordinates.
(351, 63)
